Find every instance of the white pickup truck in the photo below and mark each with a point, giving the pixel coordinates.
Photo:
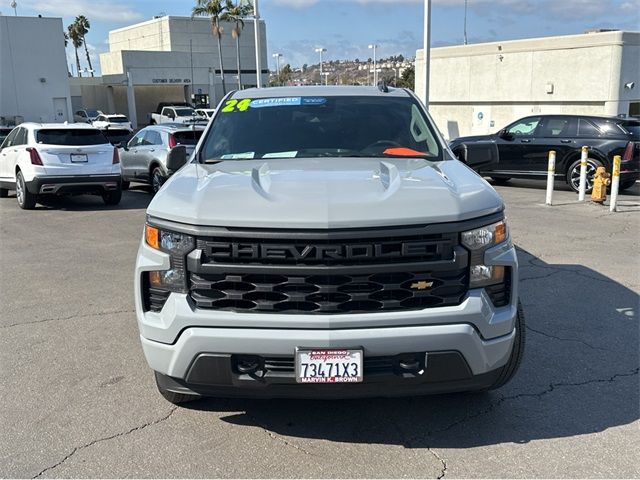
(176, 115)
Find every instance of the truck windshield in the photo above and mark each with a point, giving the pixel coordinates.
(311, 127)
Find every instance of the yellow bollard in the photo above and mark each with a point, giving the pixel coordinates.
(551, 173)
(583, 174)
(615, 183)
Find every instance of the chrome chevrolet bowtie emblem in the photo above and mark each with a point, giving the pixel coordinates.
(421, 285)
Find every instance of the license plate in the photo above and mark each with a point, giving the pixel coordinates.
(328, 366)
(79, 158)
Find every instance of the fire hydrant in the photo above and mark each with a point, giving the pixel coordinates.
(601, 180)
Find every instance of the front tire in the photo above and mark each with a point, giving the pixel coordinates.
(573, 174)
(172, 397)
(112, 198)
(26, 199)
(125, 185)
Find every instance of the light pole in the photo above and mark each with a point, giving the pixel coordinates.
(14, 5)
(375, 71)
(426, 49)
(320, 50)
(256, 31)
(465, 21)
(277, 57)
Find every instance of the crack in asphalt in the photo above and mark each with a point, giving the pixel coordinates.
(540, 332)
(104, 439)
(274, 436)
(443, 472)
(77, 315)
(549, 389)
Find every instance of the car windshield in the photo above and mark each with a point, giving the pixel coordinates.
(311, 127)
(93, 113)
(188, 137)
(68, 136)
(184, 112)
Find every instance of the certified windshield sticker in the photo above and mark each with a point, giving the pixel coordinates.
(276, 102)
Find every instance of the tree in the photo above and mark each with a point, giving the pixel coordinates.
(304, 68)
(76, 41)
(214, 9)
(408, 78)
(66, 43)
(285, 75)
(82, 25)
(235, 14)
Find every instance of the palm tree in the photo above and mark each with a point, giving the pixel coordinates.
(66, 44)
(82, 26)
(214, 9)
(76, 41)
(235, 14)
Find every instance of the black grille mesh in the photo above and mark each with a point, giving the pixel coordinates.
(328, 293)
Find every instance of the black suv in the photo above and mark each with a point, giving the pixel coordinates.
(521, 149)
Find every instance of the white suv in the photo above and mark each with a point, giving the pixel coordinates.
(58, 159)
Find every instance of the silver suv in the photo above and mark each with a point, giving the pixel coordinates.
(325, 242)
(144, 157)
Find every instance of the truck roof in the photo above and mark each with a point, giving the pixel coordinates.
(319, 91)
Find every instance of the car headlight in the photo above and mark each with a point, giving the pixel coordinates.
(478, 241)
(175, 244)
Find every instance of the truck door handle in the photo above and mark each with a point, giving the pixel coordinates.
(152, 150)
(525, 140)
(565, 141)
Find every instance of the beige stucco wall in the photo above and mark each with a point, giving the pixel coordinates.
(477, 89)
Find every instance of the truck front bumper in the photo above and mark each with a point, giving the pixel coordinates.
(462, 347)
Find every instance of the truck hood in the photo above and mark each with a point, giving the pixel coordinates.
(324, 193)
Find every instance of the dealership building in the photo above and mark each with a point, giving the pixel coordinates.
(168, 59)
(480, 88)
(34, 81)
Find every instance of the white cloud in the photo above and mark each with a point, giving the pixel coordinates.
(93, 9)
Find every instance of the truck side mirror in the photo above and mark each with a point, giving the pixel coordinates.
(505, 134)
(176, 158)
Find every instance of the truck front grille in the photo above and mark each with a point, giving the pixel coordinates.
(330, 272)
(329, 293)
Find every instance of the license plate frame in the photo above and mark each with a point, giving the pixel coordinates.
(79, 158)
(329, 361)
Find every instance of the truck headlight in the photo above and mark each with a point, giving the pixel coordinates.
(478, 241)
(485, 237)
(178, 245)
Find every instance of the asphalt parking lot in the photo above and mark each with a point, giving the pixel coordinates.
(78, 399)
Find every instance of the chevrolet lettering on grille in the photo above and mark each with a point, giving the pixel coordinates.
(253, 251)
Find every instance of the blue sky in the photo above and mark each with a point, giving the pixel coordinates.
(346, 27)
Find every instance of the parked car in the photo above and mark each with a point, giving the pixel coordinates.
(206, 112)
(144, 156)
(58, 159)
(112, 121)
(86, 116)
(324, 242)
(521, 149)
